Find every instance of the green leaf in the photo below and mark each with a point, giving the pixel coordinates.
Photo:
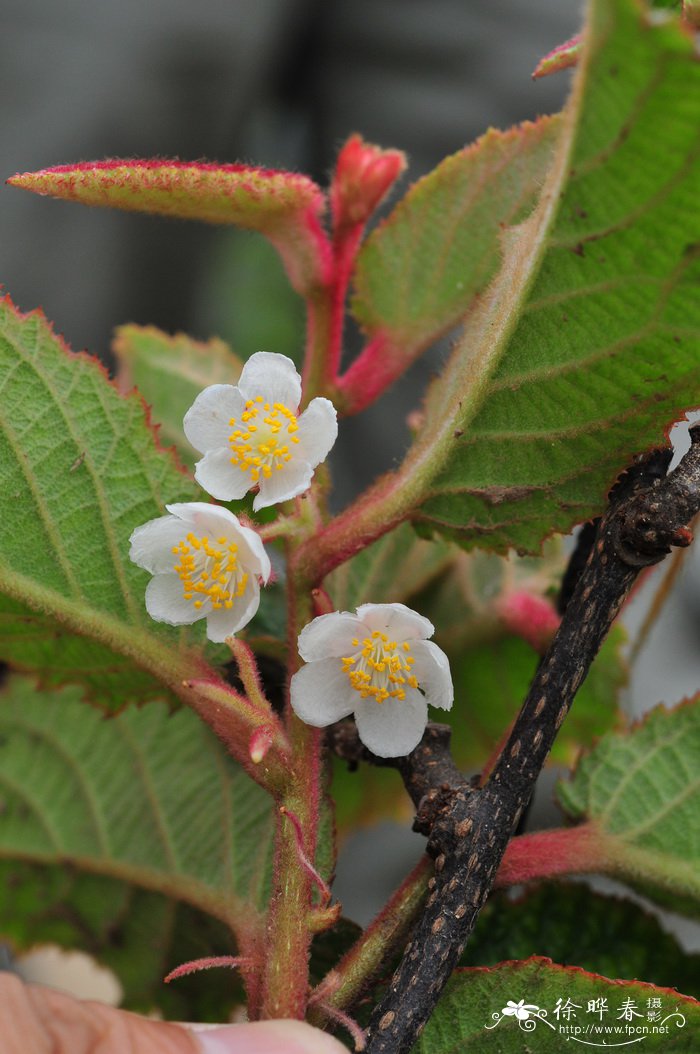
(79, 470)
(283, 206)
(470, 1014)
(139, 935)
(170, 372)
(587, 344)
(619, 939)
(147, 798)
(491, 682)
(640, 793)
(447, 228)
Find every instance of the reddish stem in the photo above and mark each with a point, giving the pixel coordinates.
(544, 854)
(376, 368)
(194, 965)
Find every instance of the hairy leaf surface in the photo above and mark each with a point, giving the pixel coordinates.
(420, 270)
(170, 372)
(147, 798)
(465, 1018)
(282, 205)
(619, 939)
(641, 792)
(79, 470)
(588, 343)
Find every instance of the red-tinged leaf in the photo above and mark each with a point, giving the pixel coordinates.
(420, 270)
(284, 206)
(691, 13)
(479, 1011)
(563, 57)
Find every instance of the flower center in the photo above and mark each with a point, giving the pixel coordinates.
(260, 444)
(210, 572)
(380, 668)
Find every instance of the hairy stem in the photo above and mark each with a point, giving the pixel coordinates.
(290, 923)
(369, 956)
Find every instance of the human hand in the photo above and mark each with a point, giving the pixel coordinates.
(38, 1020)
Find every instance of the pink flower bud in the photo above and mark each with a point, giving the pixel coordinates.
(363, 175)
(531, 617)
(260, 743)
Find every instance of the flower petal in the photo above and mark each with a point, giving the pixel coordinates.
(274, 377)
(165, 602)
(318, 431)
(224, 622)
(219, 477)
(320, 693)
(152, 544)
(330, 635)
(392, 728)
(432, 668)
(192, 512)
(202, 519)
(252, 553)
(206, 423)
(293, 479)
(396, 620)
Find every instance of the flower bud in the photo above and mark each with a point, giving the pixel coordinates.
(363, 175)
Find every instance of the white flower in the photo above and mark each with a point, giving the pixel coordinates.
(205, 564)
(251, 437)
(377, 664)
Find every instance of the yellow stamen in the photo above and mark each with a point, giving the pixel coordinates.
(378, 669)
(209, 572)
(258, 456)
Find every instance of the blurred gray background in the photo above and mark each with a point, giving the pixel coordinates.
(279, 83)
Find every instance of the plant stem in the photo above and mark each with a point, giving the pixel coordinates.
(320, 331)
(289, 926)
(363, 963)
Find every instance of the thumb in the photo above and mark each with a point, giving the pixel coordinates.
(267, 1037)
(38, 1020)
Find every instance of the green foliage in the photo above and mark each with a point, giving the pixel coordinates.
(448, 227)
(138, 934)
(394, 569)
(79, 470)
(147, 798)
(465, 1016)
(641, 791)
(170, 372)
(588, 342)
(619, 939)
